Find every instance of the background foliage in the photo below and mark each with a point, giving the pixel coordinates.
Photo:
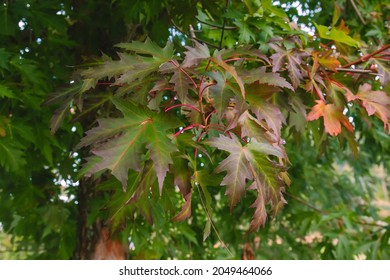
(58, 61)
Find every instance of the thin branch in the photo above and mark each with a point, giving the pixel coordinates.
(358, 71)
(212, 224)
(215, 25)
(306, 203)
(223, 27)
(197, 39)
(358, 12)
(366, 57)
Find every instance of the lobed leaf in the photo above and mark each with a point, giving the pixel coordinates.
(333, 117)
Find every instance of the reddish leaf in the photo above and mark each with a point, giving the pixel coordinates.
(186, 209)
(232, 71)
(333, 117)
(327, 60)
(260, 216)
(195, 55)
(247, 163)
(293, 61)
(262, 77)
(375, 102)
(235, 164)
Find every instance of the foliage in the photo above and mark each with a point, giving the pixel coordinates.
(228, 125)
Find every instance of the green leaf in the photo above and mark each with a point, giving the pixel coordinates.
(336, 35)
(127, 138)
(6, 92)
(4, 58)
(220, 93)
(12, 156)
(149, 48)
(245, 32)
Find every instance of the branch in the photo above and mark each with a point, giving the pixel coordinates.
(357, 12)
(366, 57)
(216, 26)
(359, 71)
(306, 203)
(197, 39)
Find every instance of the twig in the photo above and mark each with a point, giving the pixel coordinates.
(216, 26)
(197, 39)
(358, 12)
(360, 71)
(223, 27)
(212, 223)
(366, 57)
(306, 203)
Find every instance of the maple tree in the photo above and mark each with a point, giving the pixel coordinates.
(226, 108)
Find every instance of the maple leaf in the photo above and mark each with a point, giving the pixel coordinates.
(327, 60)
(293, 61)
(181, 83)
(127, 138)
(252, 128)
(195, 55)
(260, 216)
(336, 34)
(131, 67)
(12, 156)
(220, 93)
(262, 77)
(149, 48)
(244, 163)
(236, 165)
(257, 97)
(186, 209)
(333, 117)
(268, 182)
(6, 92)
(297, 116)
(232, 71)
(374, 101)
(241, 51)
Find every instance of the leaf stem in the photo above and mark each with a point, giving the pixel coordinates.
(191, 126)
(210, 114)
(203, 89)
(184, 72)
(182, 105)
